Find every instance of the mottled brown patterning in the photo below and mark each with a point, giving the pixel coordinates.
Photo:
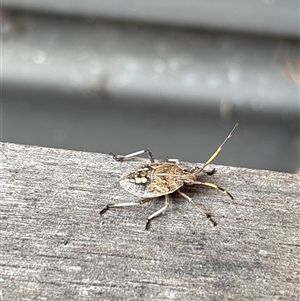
(156, 179)
(162, 179)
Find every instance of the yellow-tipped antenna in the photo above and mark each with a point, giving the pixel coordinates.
(215, 154)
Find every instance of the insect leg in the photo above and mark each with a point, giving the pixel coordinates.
(158, 212)
(121, 205)
(172, 160)
(215, 154)
(121, 158)
(207, 215)
(215, 186)
(208, 172)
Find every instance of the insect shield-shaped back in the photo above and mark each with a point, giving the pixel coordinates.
(156, 179)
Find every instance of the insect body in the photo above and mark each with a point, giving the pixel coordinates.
(163, 178)
(156, 179)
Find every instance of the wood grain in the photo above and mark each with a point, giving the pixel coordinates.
(56, 246)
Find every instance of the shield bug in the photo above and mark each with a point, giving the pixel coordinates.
(162, 179)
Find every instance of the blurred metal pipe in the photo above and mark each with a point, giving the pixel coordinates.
(140, 62)
(256, 16)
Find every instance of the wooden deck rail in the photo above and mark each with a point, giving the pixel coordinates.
(56, 246)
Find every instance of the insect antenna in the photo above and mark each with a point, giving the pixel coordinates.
(216, 153)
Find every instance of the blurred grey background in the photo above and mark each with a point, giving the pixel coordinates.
(170, 76)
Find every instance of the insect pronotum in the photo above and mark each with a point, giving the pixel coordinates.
(162, 179)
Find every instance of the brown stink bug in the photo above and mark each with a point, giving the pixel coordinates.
(163, 178)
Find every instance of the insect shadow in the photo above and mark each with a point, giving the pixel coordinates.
(162, 179)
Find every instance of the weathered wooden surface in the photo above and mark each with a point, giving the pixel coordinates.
(55, 246)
